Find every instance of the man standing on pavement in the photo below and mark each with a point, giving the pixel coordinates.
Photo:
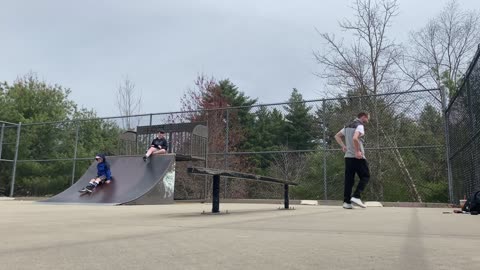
(355, 161)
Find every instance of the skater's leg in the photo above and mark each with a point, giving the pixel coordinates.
(150, 151)
(93, 184)
(364, 173)
(159, 152)
(349, 179)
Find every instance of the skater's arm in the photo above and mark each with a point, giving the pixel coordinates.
(108, 173)
(339, 138)
(163, 144)
(155, 143)
(356, 144)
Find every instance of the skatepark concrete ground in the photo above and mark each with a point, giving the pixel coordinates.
(251, 236)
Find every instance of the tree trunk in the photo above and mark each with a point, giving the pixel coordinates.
(403, 167)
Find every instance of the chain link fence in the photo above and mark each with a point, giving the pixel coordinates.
(463, 115)
(405, 148)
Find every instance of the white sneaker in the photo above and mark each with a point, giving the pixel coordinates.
(347, 205)
(358, 202)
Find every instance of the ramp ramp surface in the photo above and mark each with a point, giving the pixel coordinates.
(135, 182)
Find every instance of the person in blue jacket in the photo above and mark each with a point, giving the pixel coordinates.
(104, 175)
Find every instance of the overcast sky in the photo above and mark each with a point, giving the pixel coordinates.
(263, 46)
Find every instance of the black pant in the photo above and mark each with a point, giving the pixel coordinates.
(355, 166)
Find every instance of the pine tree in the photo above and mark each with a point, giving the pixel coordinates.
(299, 129)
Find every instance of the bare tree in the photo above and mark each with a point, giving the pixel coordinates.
(367, 65)
(442, 49)
(289, 166)
(128, 102)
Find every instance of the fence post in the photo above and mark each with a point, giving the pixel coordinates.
(136, 143)
(17, 144)
(225, 155)
(447, 144)
(1, 139)
(472, 125)
(324, 125)
(227, 131)
(149, 134)
(206, 160)
(75, 155)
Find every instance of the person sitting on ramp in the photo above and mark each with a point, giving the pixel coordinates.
(158, 146)
(104, 175)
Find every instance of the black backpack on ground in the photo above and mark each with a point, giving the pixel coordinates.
(473, 203)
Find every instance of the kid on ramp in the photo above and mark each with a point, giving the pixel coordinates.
(104, 175)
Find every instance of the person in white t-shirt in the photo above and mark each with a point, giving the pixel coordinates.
(355, 161)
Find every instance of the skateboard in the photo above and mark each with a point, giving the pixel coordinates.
(85, 191)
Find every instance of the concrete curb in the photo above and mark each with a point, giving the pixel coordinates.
(280, 201)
